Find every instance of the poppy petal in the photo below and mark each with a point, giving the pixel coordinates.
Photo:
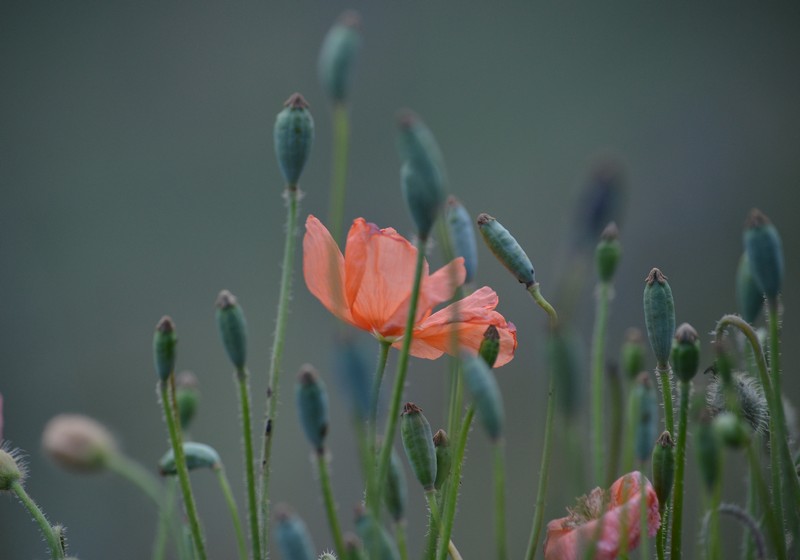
(323, 268)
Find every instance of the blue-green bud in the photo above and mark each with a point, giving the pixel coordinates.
(490, 345)
(565, 357)
(164, 342)
(659, 315)
(396, 494)
(633, 352)
(602, 201)
(338, 54)
(731, 430)
(506, 249)
(187, 396)
(377, 542)
(232, 328)
(444, 458)
(415, 431)
(312, 404)
(643, 399)
(608, 253)
(462, 235)
(748, 294)
(764, 250)
(354, 377)
(293, 538)
(663, 468)
(294, 134)
(482, 386)
(685, 353)
(198, 456)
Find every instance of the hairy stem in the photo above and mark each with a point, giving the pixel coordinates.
(225, 486)
(47, 530)
(598, 352)
(249, 460)
(330, 505)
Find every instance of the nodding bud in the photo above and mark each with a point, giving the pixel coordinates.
(685, 353)
(444, 458)
(78, 443)
(292, 535)
(376, 541)
(11, 469)
(731, 430)
(707, 449)
(164, 342)
(663, 468)
(187, 396)
(749, 296)
(490, 345)
(749, 396)
(506, 249)
(764, 250)
(565, 357)
(198, 456)
(354, 377)
(396, 493)
(633, 353)
(486, 397)
(422, 175)
(643, 400)
(294, 135)
(338, 54)
(232, 328)
(608, 253)
(462, 236)
(415, 431)
(312, 404)
(659, 315)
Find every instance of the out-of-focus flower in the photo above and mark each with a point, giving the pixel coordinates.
(78, 443)
(617, 512)
(370, 288)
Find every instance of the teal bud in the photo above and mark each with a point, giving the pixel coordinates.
(482, 386)
(608, 253)
(338, 54)
(633, 353)
(415, 431)
(376, 541)
(444, 458)
(294, 134)
(490, 345)
(506, 249)
(764, 250)
(707, 449)
(293, 538)
(312, 404)
(198, 456)
(663, 468)
(731, 431)
(11, 469)
(164, 342)
(749, 296)
(659, 315)
(685, 353)
(462, 235)
(187, 396)
(354, 377)
(396, 492)
(232, 328)
(565, 357)
(643, 399)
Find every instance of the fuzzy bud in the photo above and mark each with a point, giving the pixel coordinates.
(486, 397)
(292, 536)
(659, 315)
(685, 353)
(444, 458)
(506, 249)
(749, 396)
(198, 456)
(764, 250)
(415, 432)
(232, 328)
(338, 54)
(462, 236)
(663, 468)
(293, 135)
(78, 443)
(164, 342)
(731, 431)
(11, 470)
(608, 253)
(312, 404)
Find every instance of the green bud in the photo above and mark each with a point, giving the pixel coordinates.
(338, 54)
(731, 431)
(293, 134)
(232, 328)
(486, 397)
(462, 235)
(293, 538)
(644, 400)
(78, 443)
(748, 295)
(749, 395)
(490, 345)
(396, 493)
(506, 249)
(608, 253)
(444, 458)
(198, 456)
(164, 342)
(659, 315)
(633, 353)
(187, 396)
(415, 432)
(354, 377)
(312, 404)
(764, 250)
(565, 356)
(11, 469)
(377, 542)
(663, 468)
(685, 352)
(708, 449)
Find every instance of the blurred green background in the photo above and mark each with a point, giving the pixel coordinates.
(138, 179)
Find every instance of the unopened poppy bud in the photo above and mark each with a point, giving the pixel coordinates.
(232, 328)
(490, 345)
(187, 396)
(506, 249)
(292, 535)
(764, 250)
(643, 400)
(444, 458)
(462, 235)
(312, 403)
(482, 386)
(707, 449)
(633, 353)
(293, 134)
(415, 432)
(749, 395)
(731, 431)
(376, 541)
(11, 470)
(659, 315)
(663, 468)
(164, 342)
(198, 456)
(685, 352)
(565, 356)
(608, 253)
(338, 54)
(78, 443)
(354, 377)
(749, 296)
(396, 493)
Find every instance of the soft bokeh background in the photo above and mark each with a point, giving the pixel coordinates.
(138, 178)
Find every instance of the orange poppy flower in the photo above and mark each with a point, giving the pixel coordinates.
(569, 537)
(370, 288)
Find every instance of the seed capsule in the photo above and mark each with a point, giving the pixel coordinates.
(663, 468)
(685, 352)
(312, 404)
(232, 328)
(608, 253)
(415, 432)
(396, 494)
(633, 361)
(293, 538)
(164, 342)
(444, 458)
(293, 134)
(482, 386)
(749, 296)
(462, 235)
(198, 456)
(659, 315)
(506, 249)
(338, 53)
(377, 542)
(764, 250)
(187, 396)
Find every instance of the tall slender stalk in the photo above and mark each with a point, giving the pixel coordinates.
(330, 505)
(454, 483)
(166, 519)
(500, 500)
(225, 486)
(680, 464)
(138, 475)
(47, 530)
(400, 535)
(380, 369)
(598, 352)
(341, 134)
(775, 530)
(664, 373)
(249, 461)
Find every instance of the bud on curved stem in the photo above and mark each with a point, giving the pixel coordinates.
(685, 353)
(507, 250)
(232, 328)
(312, 404)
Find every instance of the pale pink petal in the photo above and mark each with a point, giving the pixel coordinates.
(323, 268)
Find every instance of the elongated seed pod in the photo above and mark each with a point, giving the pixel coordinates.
(462, 235)
(294, 135)
(490, 345)
(396, 493)
(187, 396)
(198, 456)
(232, 328)
(376, 541)
(663, 468)
(506, 249)
(293, 538)
(338, 54)
(633, 360)
(415, 432)
(764, 249)
(312, 405)
(608, 253)
(164, 342)
(354, 377)
(685, 352)
(444, 458)
(659, 315)
(482, 386)
(749, 297)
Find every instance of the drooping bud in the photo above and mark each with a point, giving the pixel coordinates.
(707, 448)
(490, 345)
(232, 328)
(187, 396)
(633, 353)
(293, 537)
(354, 377)
(11, 469)
(659, 315)
(643, 400)
(312, 404)
(764, 250)
(338, 54)
(164, 342)
(663, 468)
(462, 235)
(731, 431)
(486, 397)
(294, 135)
(506, 249)
(377, 542)
(685, 352)
(396, 493)
(565, 357)
(444, 458)
(198, 456)
(415, 432)
(749, 395)
(749, 296)
(608, 253)
(78, 443)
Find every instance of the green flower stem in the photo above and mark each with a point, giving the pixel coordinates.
(330, 505)
(382, 471)
(680, 464)
(598, 367)
(380, 369)
(225, 486)
(249, 461)
(435, 520)
(171, 414)
(47, 530)
(664, 374)
(139, 476)
(292, 194)
(400, 535)
(617, 393)
(749, 548)
(500, 500)
(433, 538)
(341, 134)
(714, 544)
(166, 520)
(775, 530)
